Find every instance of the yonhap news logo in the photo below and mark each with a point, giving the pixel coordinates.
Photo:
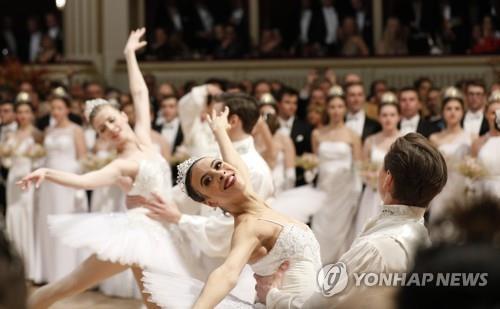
(333, 279)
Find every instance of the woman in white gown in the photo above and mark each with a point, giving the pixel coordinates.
(486, 147)
(262, 237)
(118, 241)
(455, 144)
(65, 146)
(374, 150)
(20, 217)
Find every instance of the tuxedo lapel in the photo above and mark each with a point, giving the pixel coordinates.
(484, 127)
(179, 138)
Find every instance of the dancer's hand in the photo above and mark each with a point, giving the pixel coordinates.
(37, 177)
(266, 283)
(134, 41)
(162, 210)
(219, 122)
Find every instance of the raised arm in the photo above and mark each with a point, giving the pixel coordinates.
(138, 88)
(106, 176)
(223, 279)
(220, 125)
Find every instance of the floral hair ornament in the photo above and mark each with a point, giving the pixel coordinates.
(91, 104)
(452, 93)
(336, 91)
(389, 97)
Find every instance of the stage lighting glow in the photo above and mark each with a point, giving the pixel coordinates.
(60, 4)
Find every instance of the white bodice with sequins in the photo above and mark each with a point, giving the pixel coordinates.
(154, 175)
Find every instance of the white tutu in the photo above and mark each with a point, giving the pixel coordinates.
(129, 238)
(169, 290)
(300, 203)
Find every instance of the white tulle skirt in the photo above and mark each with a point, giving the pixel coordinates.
(169, 290)
(129, 238)
(300, 203)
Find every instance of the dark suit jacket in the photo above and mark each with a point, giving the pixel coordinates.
(370, 127)
(425, 127)
(44, 122)
(301, 137)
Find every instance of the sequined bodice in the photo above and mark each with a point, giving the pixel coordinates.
(154, 175)
(294, 244)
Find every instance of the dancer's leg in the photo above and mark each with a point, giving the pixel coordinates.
(145, 296)
(86, 275)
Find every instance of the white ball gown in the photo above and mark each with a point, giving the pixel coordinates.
(131, 237)
(107, 200)
(488, 156)
(294, 244)
(371, 202)
(20, 216)
(454, 152)
(333, 222)
(58, 260)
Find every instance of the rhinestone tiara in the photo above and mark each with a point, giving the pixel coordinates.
(91, 104)
(182, 170)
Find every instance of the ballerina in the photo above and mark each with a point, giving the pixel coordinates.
(262, 237)
(121, 240)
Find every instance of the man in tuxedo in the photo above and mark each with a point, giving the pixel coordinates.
(356, 118)
(474, 121)
(319, 25)
(8, 126)
(290, 125)
(389, 241)
(411, 121)
(171, 129)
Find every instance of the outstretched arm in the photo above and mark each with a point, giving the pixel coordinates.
(138, 88)
(220, 125)
(106, 176)
(223, 279)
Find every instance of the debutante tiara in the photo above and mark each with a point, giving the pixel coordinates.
(182, 170)
(91, 104)
(389, 97)
(267, 98)
(494, 96)
(452, 93)
(336, 91)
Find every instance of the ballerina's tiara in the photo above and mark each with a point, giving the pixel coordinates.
(91, 104)
(182, 170)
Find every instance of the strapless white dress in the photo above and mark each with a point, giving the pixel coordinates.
(131, 237)
(294, 244)
(333, 223)
(489, 157)
(454, 152)
(371, 203)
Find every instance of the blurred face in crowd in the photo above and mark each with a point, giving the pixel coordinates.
(495, 87)
(50, 20)
(24, 115)
(160, 36)
(434, 102)
(336, 110)
(318, 97)
(475, 97)
(355, 97)
(388, 117)
(76, 107)
(423, 89)
(261, 88)
(490, 113)
(94, 91)
(169, 109)
(315, 117)
(287, 107)
(409, 104)
(59, 110)
(349, 26)
(125, 99)
(165, 90)
(352, 78)
(380, 89)
(26, 87)
(325, 85)
(7, 115)
(453, 113)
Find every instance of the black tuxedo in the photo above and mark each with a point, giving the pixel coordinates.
(370, 127)
(301, 137)
(179, 138)
(44, 122)
(425, 127)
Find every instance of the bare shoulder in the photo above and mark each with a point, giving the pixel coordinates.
(435, 138)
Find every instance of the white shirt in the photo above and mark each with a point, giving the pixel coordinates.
(332, 24)
(169, 131)
(409, 125)
(386, 245)
(305, 22)
(206, 18)
(7, 130)
(360, 20)
(54, 32)
(356, 122)
(286, 125)
(35, 39)
(473, 121)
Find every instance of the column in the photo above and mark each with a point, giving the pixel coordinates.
(253, 24)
